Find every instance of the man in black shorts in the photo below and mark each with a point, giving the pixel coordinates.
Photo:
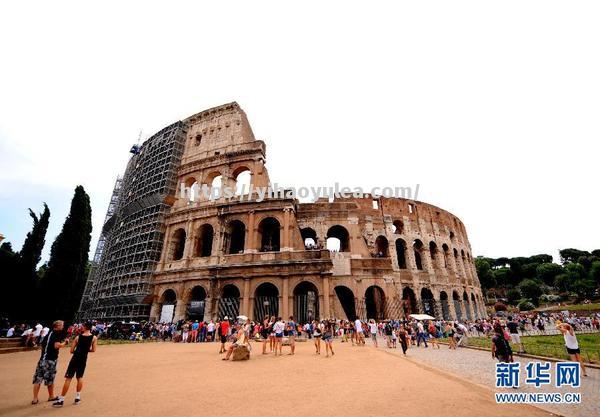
(46, 367)
(82, 345)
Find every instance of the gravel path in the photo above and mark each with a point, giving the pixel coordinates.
(479, 367)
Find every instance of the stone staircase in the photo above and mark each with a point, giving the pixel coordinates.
(12, 345)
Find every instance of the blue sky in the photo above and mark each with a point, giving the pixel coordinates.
(491, 107)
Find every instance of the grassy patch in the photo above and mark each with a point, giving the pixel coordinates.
(575, 307)
(551, 346)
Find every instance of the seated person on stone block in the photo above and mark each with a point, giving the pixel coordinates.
(240, 340)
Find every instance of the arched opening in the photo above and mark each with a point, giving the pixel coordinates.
(306, 302)
(216, 187)
(433, 253)
(269, 231)
(191, 189)
(418, 249)
(235, 237)
(382, 247)
(309, 237)
(229, 303)
(346, 298)
(457, 305)
(401, 253)
(398, 227)
(467, 306)
(446, 251)
(375, 303)
(177, 244)
(428, 302)
(445, 306)
(243, 178)
(474, 305)
(204, 241)
(342, 236)
(168, 301)
(196, 306)
(266, 301)
(409, 301)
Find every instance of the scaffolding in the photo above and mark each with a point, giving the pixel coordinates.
(121, 279)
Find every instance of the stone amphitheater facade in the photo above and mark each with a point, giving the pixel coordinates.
(229, 256)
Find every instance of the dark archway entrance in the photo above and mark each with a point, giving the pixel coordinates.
(428, 302)
(467, 306)
(168, 301)
(409, 301)
(266, 301)
(229, 303)
(375, 303)
(457, 309)
(445, 306)
(204, 241)
(306, 302)
(401, 253)
(196, 306)
(346, 297)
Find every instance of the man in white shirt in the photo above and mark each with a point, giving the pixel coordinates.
(373, 331)
(10, 332)
(37, 331)
(360, 339)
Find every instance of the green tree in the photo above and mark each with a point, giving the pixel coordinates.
(571, 255)
(531, 289)
(596, 253)
(64, 279)
(584, 288)
(503, 276)
(484, 272)
(513, 295)
(547, 272)
(29, 257)
(540, 259)
(8, 271)
(595, 272)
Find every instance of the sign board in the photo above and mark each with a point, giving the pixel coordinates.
(166, 314)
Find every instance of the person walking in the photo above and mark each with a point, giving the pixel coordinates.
(373, 331)
(403, 339)
(278, 329)
(83, 344)
(291, 331)
(328, 338)
(421, 336)
(223, 333)
(45, 370)
(360, 338)
(500, 346)
(513, 330)
(317, 334)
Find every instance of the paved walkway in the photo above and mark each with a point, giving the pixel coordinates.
(479, 367)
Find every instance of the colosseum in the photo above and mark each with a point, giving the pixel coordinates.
(167, 252)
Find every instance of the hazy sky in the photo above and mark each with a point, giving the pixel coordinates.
(492, 107)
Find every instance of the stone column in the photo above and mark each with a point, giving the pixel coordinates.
(326, 301)
(155, 311)
(285, 246)
(189, 241)
(251, 234)
(285, 304)
(246, 298)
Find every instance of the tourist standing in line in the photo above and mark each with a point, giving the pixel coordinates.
(82, 345)
(373, 331)
(328, 338)
(317, 333)
(223, 333)
(265, 332)
(46, 367)
(358, 330)
(278, 329)
(513, 329)
(194, 332)
(571, 344)
(291, 331)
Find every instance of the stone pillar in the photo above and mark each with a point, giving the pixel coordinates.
(155, 311)
(180, 308)
(326, 302)
(285, 246)
(246, 298)
(285, 303)
(188, 250)
(251, 243)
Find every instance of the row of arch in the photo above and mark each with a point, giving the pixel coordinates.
(234, 239)
(241, 176)
(374, 304)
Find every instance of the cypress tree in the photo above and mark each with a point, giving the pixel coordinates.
(64, 279)
(29, 257)
(8, 272)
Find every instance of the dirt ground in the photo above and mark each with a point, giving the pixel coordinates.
(167, 379)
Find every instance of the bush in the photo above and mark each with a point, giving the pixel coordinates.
(525, 305)
(513, 295)
(550, 298)
(499, 306)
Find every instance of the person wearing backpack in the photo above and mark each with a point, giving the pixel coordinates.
(500, 346)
